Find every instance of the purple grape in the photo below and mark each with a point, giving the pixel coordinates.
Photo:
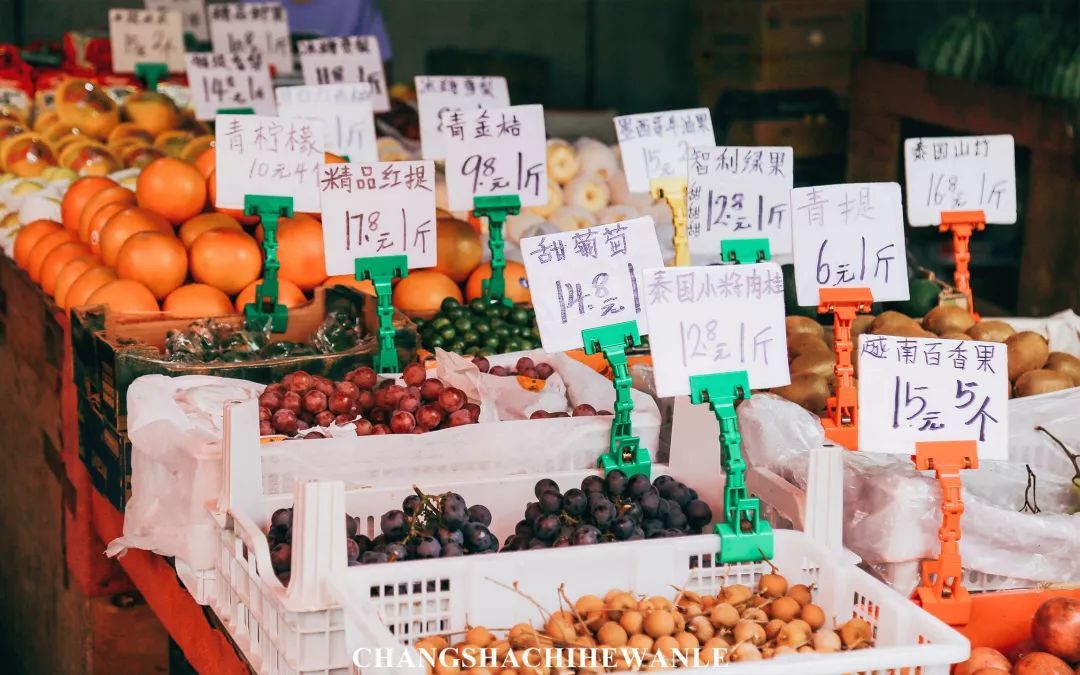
(561, 542)
(281, 558)
(586, 534)
(429, 547)
(676, 519)
(478, 538)
(550, 502)
(523, 528)
(453, 512)
(370, 557)
(547, 527)
(393, 525)
(592, 484)
(545, 485)
(615, 483)
(650, 527)
(574, 502)
(622, 528)
(350, 526)
(353, 549)
(698, 514)
(637, 486)
(396, 551)
(478, 513)
(364, 543)
(516, 542)
(650, 502)
(410, 505)
(452, 550)
(602, 514)
(632, 511)
(282, 517)
(445, 535)
(533, 511)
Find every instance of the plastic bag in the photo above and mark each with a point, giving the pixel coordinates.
(504, 397)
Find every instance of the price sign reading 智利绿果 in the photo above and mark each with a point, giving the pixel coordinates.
(440, 96)
(192, 14)
(960, 173)
(659, 145)
(219, 81)
(345, 111)
(146, 36)
(263, 27)
(345, 60)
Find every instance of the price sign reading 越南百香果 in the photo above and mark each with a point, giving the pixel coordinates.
(219, 81)
(146, 36)
(659, 145)
(345, 111)
(346, 60)
(960, 173)
(263, 27)
(440, 96)
(192, 12)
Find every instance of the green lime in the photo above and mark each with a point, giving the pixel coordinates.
(420, 324)
(458, 347)
(477, 305)
(440, 322)
(534, 332)
(494, 311)
(492, 343)
(470, 337)
(473, 351)
(482, 327)
(448, 333)
(514, 345)
(434, 341)
(501, 332)
(449, 303)
(463, 324)
(519, 315)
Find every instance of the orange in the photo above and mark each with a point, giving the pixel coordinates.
(197, 301)
(85, 106)
(120, 227)
(226, 259)
(517, 285)
(56, 260)
(67, 276)
(88, 282)
(424, 290)
(203, 222)
(300, 251)
(29, 236)
(350, 281)
(110, 195)
(155, 259)
(288, 294)
(124, 296)
(195, 149)
(78, 193)
(43, 248)
(152, 112)
(98, 222)
(172, 188)
(206, 162)
(459, 250)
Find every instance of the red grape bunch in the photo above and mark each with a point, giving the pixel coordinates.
(524, 366)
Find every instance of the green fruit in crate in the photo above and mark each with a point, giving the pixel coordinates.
(480, 328)
(1060, 77)
(964, 46)
(922, 297)
(1036, 41)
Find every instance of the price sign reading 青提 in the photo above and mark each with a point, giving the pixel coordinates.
(438, 97)
(932, 389)
(960, 173)
(263, 27)
(659, 145)
(146, 36)
(378, 209)
(716, 319)
(192, 13)
(588, 278)
(738, 193)
(345, 111)
(849, 235)
(259, 155)
(496, 151)
(344, 60)
(219, 81)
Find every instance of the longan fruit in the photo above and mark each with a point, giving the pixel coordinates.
(772, 585)
(806, 649)
(592, 610)
(813, 615)
(755, 614)
(748, 631)
(612, 634)
(691, 609)
(440, 641)
(792, 635)
(801, 624)
(519, 628)
(772, 629)
(736, 594)
(619, 603)
(560, 627)
(479, 636)
(447, 667)
(584, 641)
(610, 595)
(801, 594)
(500, 648)
(659, 623)
(783, 650)
(666, 645)
(632, 622)
(687, 641)
(640, 642)
(701, 628)
(746, 652)
(715, 651)
(826, 641)
(724, 615)
(785, 608)
(680, 621)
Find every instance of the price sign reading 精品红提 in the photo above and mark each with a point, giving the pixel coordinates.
(932, 389)
(439, 96)
(345, 111)
(345, 60)
(263, 27)
(659, 145)
(849, 235)
(496, 151)
(146, 36)
(378, 209)
(960, 173)
(716, 319)
(259, 155)
(738, 193)
(192, 13)
(588, 278)
(219, 81)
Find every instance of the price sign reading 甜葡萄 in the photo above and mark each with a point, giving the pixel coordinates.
(259, 155)
(659, 145)
(344, 60)
(146, 36)
(738, 193)
(345, 111)
(378, 209)
(192, 15)
(263, 27)
(438, 96)
(221, 81)
(960, 173)
(932, 389)
(716, 319)
(496, 151)
(588, 278)
(849, 235)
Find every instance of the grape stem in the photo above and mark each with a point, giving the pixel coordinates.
(515, 589)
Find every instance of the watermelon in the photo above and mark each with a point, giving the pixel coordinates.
(964, 46)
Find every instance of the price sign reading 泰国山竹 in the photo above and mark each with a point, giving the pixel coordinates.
(345, 60)
(240, 28)
(659, 145)
(345, 111)
(849, 235)
(716, 319)
(146, 36)
(192, 12)
(738, 193)
(439, 96)
(588, 278)
(496, 151)
(960, 173)
(373, 209)
(932, 389)
(259, 155)
(219, 81)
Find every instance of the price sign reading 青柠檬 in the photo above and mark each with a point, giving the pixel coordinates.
(192, 13)
(440, 96)
(345, 111)
(146, 36)
(960, 173)
(659, 145)
(346, 60)
(219, 81)
(263, 27)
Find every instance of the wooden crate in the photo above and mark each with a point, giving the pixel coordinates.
(772, 28)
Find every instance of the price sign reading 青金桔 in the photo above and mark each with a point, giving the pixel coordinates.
(345, 60)
(259, 155)
(849, 235)
(146, 36)
(192, 14)
(716, 319)
(219, 81)
(440, 96)
(345, 111)
(588, 278)
(263, 27)
(932, 389)
(375, 209)
(960, 173)
(496, 151)
(738, 193)
(659, 145)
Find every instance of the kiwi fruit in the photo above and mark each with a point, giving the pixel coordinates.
(887, 319)
(948, 319)
(804, 343)
(808, 390)
(1065, 363)
(1026, 351)
(803, 324)
(963, 337)
(861, 324)
(1042, 381)
(902, 329)
(991, 331)
(819, 363)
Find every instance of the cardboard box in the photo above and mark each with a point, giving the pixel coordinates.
(778, 27)
(718, 73)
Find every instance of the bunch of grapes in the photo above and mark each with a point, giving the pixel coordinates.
(580, 410)
(524, 366)
(279, 537)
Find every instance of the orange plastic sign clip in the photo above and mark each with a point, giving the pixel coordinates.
(842, 423)
(962, 224)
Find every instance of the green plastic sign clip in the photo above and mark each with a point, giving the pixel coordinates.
(266, 307)
(151, 73)
(745, 251)
(381, 272)
(236, 111)
(496, 209)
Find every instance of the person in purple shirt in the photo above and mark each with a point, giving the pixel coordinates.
(338, 18)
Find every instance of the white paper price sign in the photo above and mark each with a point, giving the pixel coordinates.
(438, 97)
(229, 81)
(849, 235)
(930, 389)
(259, 155)
(960, 173)
(588, 278)
(658, 145)
(738, 193)
(342, 60)
(496, 151)
(240, 28)
(345, 111)
(146, 36)
(192, 14)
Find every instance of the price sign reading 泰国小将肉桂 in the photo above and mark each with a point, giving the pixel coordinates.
(496, 151)
(345, 111)
(439, 96)
(932, 389)
(263, 27)
(659, 145)
(192, 12)
(590, 277)
(738, 193)
(849, 235)
(146, 36)
(716, 319)
(960, 173)
(259, 155)
(345, 60)
(375, 209)
(229, 81)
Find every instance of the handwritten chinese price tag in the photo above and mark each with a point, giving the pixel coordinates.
(496, 151)
(229, 81)
(659, 145)
(345, 111)
(589, 278)
(849, 235)
(930, 389)
(960, 173)
(439, 97)
(738, 193)
(342, 60)
(192, 13)
(146, 36)
(259, 155)
(263, 27)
